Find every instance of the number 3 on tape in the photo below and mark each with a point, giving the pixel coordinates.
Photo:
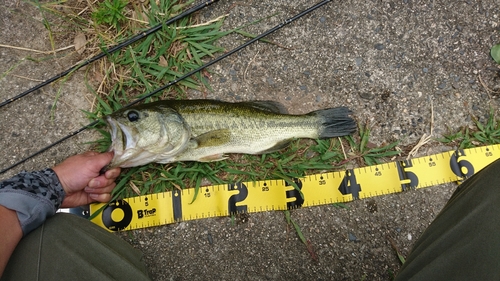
(295, 194)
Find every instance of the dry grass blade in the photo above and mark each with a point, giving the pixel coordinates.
(488, 90)
(135, 188)
(37, 51)
(205, 23)
(425, 138)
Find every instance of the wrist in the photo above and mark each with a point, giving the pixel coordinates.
(59, 174)
(34, 196)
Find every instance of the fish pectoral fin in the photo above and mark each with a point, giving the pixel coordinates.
(213, 138)
(278, 146)
(267, 105)
(212, 158)
(192, 144)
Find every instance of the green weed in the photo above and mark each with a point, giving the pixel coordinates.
(363, 149)
(110, 12)
(340, 206)
(400, 256)
(291, 222)
(495, 53)
(488, 133)
(301, 236)
(483, 133)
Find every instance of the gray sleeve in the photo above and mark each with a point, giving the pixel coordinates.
(34, 196)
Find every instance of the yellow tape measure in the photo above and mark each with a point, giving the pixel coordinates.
(271, 195)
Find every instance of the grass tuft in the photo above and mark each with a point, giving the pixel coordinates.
(482, 133)
(367, 152)
(110, 12)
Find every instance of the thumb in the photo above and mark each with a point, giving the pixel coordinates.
(100, 160)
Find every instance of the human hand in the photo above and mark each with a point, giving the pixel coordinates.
(80, 179)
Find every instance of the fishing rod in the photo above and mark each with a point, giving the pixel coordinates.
(269, 31)
(111, 50)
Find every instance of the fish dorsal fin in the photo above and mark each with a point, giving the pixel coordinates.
(267, 105)
(213, 138)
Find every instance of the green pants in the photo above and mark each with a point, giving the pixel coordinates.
(67, 247)
(463, 242)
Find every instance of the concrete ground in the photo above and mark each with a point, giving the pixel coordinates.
(386, 60)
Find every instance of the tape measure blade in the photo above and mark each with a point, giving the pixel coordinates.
(211, 201)
(432, 170)
(313, 190)
(378, 180)
(114, 216)
(152, 209)
(96, 207)
(481, 157)
(267, 195)
(320, 189)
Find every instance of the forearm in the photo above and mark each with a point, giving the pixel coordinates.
(10, 233)
(26, 200)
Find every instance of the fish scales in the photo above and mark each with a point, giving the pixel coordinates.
(248, 126)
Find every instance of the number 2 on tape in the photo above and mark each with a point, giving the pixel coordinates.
(242, 195)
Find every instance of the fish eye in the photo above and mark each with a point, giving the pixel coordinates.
(133, 116)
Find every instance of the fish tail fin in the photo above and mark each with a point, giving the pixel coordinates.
(334, 122)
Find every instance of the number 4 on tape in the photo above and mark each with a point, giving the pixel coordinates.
(349, 185)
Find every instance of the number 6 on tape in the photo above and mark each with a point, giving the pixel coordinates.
(458, 165)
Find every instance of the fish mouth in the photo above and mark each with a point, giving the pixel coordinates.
(121, 140)
(116, 137)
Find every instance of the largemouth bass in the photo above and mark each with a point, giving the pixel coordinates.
(207, 130)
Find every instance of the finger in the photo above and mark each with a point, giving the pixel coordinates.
(100, 182)
(104, 189)
(99, 160)
(112, 173)
(90, 153)
(104, 197)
